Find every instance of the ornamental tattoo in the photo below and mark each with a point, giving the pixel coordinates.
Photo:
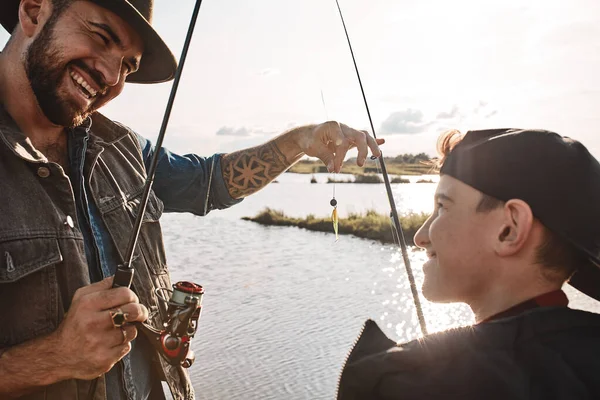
(247, 171)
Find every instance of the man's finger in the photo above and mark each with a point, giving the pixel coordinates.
(117, 337)
(359, 139)
(101, 286)
(379, 141)
(326, 156)
(336, 136)
(340, 154)
(334, 133)
(112, 298)
(135, 312)
(373, 144)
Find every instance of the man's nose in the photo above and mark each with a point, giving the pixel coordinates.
(111, 70)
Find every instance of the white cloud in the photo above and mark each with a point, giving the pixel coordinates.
(405, 122)
(412, 121)
(230, 131)
(452, 114)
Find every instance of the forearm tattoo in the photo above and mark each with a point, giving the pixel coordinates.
(247, 171)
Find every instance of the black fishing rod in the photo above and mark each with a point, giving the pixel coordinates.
(185, 302)
(388, 188)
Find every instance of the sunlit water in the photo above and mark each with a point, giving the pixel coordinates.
(283, 306)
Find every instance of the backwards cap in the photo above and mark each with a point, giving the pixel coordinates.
(555, 175)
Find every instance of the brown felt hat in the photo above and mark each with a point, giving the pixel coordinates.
(158, 63)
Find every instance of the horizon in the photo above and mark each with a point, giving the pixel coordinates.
(426, 67)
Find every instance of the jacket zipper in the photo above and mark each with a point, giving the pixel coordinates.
(347, 357)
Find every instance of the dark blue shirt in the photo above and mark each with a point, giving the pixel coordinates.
(187, 183)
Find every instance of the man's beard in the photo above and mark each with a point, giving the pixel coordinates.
(46, 72)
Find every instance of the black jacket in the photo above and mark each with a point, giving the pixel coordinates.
(546, 353)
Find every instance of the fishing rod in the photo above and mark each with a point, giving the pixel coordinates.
(388, 188)
(185, 302)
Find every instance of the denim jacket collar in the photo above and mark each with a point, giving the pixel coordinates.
(12, 136)
(16, 141)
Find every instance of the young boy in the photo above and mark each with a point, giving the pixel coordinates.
(517, 214)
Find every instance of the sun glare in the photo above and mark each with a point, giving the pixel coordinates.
(400, 316)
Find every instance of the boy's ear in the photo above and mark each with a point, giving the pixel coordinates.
(515, 229)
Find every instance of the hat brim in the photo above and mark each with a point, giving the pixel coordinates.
(158, 63)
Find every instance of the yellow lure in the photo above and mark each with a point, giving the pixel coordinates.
(334, 219)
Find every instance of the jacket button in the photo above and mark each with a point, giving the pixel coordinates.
(43, 172)
(70, 222)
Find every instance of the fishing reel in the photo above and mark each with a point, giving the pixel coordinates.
(183, 312)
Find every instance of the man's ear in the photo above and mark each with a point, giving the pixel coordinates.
(516, 228)
(33, 14)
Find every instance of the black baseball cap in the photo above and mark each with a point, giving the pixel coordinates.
(555, 175)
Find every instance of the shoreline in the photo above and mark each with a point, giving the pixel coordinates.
(370, 167)
(370, 225)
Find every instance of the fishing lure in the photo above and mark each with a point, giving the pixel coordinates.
(334, 217)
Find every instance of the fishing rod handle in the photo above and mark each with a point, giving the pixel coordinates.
(123, 277)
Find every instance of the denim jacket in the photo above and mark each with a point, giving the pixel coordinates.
(42, 255)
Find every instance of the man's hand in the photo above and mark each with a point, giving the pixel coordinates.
(331, 141)
(85, 345)
(88, 344)
(249, 170)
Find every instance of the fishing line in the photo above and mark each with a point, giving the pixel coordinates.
(403, 247)
(333, 201)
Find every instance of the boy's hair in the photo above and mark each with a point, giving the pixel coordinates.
(559, 258)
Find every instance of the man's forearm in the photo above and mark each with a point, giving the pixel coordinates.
(247, 171)
(28, 367)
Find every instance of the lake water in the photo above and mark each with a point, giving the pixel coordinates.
(283, 305)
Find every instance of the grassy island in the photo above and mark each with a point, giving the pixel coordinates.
(370, 178)
(364, 178)
(370, 225)
(405, 164)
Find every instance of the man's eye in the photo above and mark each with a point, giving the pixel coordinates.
(104, 38)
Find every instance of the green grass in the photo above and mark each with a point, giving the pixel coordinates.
(398, 179)
(370, 225)
(350, 167)
(359, 178)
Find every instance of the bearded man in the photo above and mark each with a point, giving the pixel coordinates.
(516, 216)
(72, 181)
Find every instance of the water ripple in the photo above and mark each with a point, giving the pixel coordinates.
(284, 305)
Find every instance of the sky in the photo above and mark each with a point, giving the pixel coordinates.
(257, 68)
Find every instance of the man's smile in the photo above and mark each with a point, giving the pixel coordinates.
(87, 86)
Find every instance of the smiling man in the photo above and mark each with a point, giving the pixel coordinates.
(71, 186)
(516, 216)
